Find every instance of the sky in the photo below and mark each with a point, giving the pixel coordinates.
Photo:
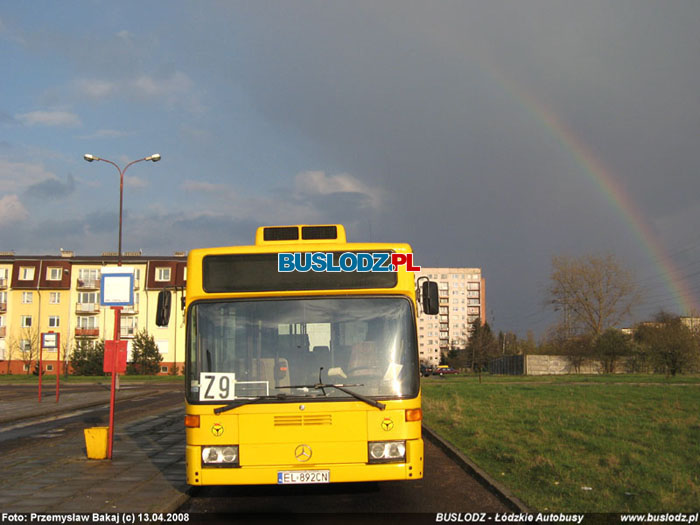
(486, 134)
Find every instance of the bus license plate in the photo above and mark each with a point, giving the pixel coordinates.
(297, 477)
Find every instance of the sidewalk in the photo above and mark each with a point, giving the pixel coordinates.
(147, 473)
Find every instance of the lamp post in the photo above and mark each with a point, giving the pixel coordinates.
(90, 158)
(117, 309)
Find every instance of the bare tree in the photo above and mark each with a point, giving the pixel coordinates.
(27, 346)
(65, 350)
(9, 353)
(592, 293)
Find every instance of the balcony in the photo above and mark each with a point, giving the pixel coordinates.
(87, 332)
(3, 283)
(130, 310)
(88, 284)
(2, 331)
(3, 307)
(87, 308)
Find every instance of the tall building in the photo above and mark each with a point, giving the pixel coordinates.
(462, 293)
(61, 293)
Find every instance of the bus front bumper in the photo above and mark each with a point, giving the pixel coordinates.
(338, 472)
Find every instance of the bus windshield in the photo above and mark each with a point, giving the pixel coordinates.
(240, 349)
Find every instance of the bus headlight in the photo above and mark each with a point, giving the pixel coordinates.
(220, 456)
(387, 451)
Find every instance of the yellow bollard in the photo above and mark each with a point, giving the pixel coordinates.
(96, 442)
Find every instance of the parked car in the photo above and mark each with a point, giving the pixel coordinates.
(426, 371)
(444, 370)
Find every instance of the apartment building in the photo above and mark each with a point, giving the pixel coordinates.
(462, 293)
(61, 293)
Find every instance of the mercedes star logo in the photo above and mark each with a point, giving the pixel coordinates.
(303, 453)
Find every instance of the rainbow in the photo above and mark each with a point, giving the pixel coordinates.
(613, 192)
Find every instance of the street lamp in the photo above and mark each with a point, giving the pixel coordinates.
(117, 309)
(153, 158)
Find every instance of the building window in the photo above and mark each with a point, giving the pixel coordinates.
(26, 273)
(88, 274)
(88, 297)
(87, 322)
(162, 274)
(26, 321)
(27, 297)
(129, 326)
(55, 298)
(164, 369)
(54, 321)
(49, 368)
(54, 274)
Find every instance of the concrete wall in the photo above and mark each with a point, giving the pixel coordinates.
(560, 364)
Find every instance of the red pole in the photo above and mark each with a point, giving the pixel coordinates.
(41, 348)
(58, 364)
(117, 329)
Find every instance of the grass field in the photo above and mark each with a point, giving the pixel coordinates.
(578, 443)
(20, 379)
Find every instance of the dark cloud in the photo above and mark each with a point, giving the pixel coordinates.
(451, 109)
(6, 118)
(51, 188)
(99, 222)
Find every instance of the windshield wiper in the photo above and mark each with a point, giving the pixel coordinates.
(343, 388)
(247, 401)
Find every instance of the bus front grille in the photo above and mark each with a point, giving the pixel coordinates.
(303, 420)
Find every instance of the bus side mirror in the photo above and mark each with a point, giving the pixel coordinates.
(431, 304)
(163, 310)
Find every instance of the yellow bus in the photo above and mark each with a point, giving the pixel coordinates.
(299, 377)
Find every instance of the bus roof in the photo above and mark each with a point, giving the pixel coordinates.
(295, 238)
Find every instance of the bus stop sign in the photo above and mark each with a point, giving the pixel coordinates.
(109, 361)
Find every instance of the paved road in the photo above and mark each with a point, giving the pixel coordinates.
(38, 431)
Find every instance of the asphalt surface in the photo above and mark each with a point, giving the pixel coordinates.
(45, 468)
(44, 462)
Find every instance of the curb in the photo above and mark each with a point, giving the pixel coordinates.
(497, 488)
